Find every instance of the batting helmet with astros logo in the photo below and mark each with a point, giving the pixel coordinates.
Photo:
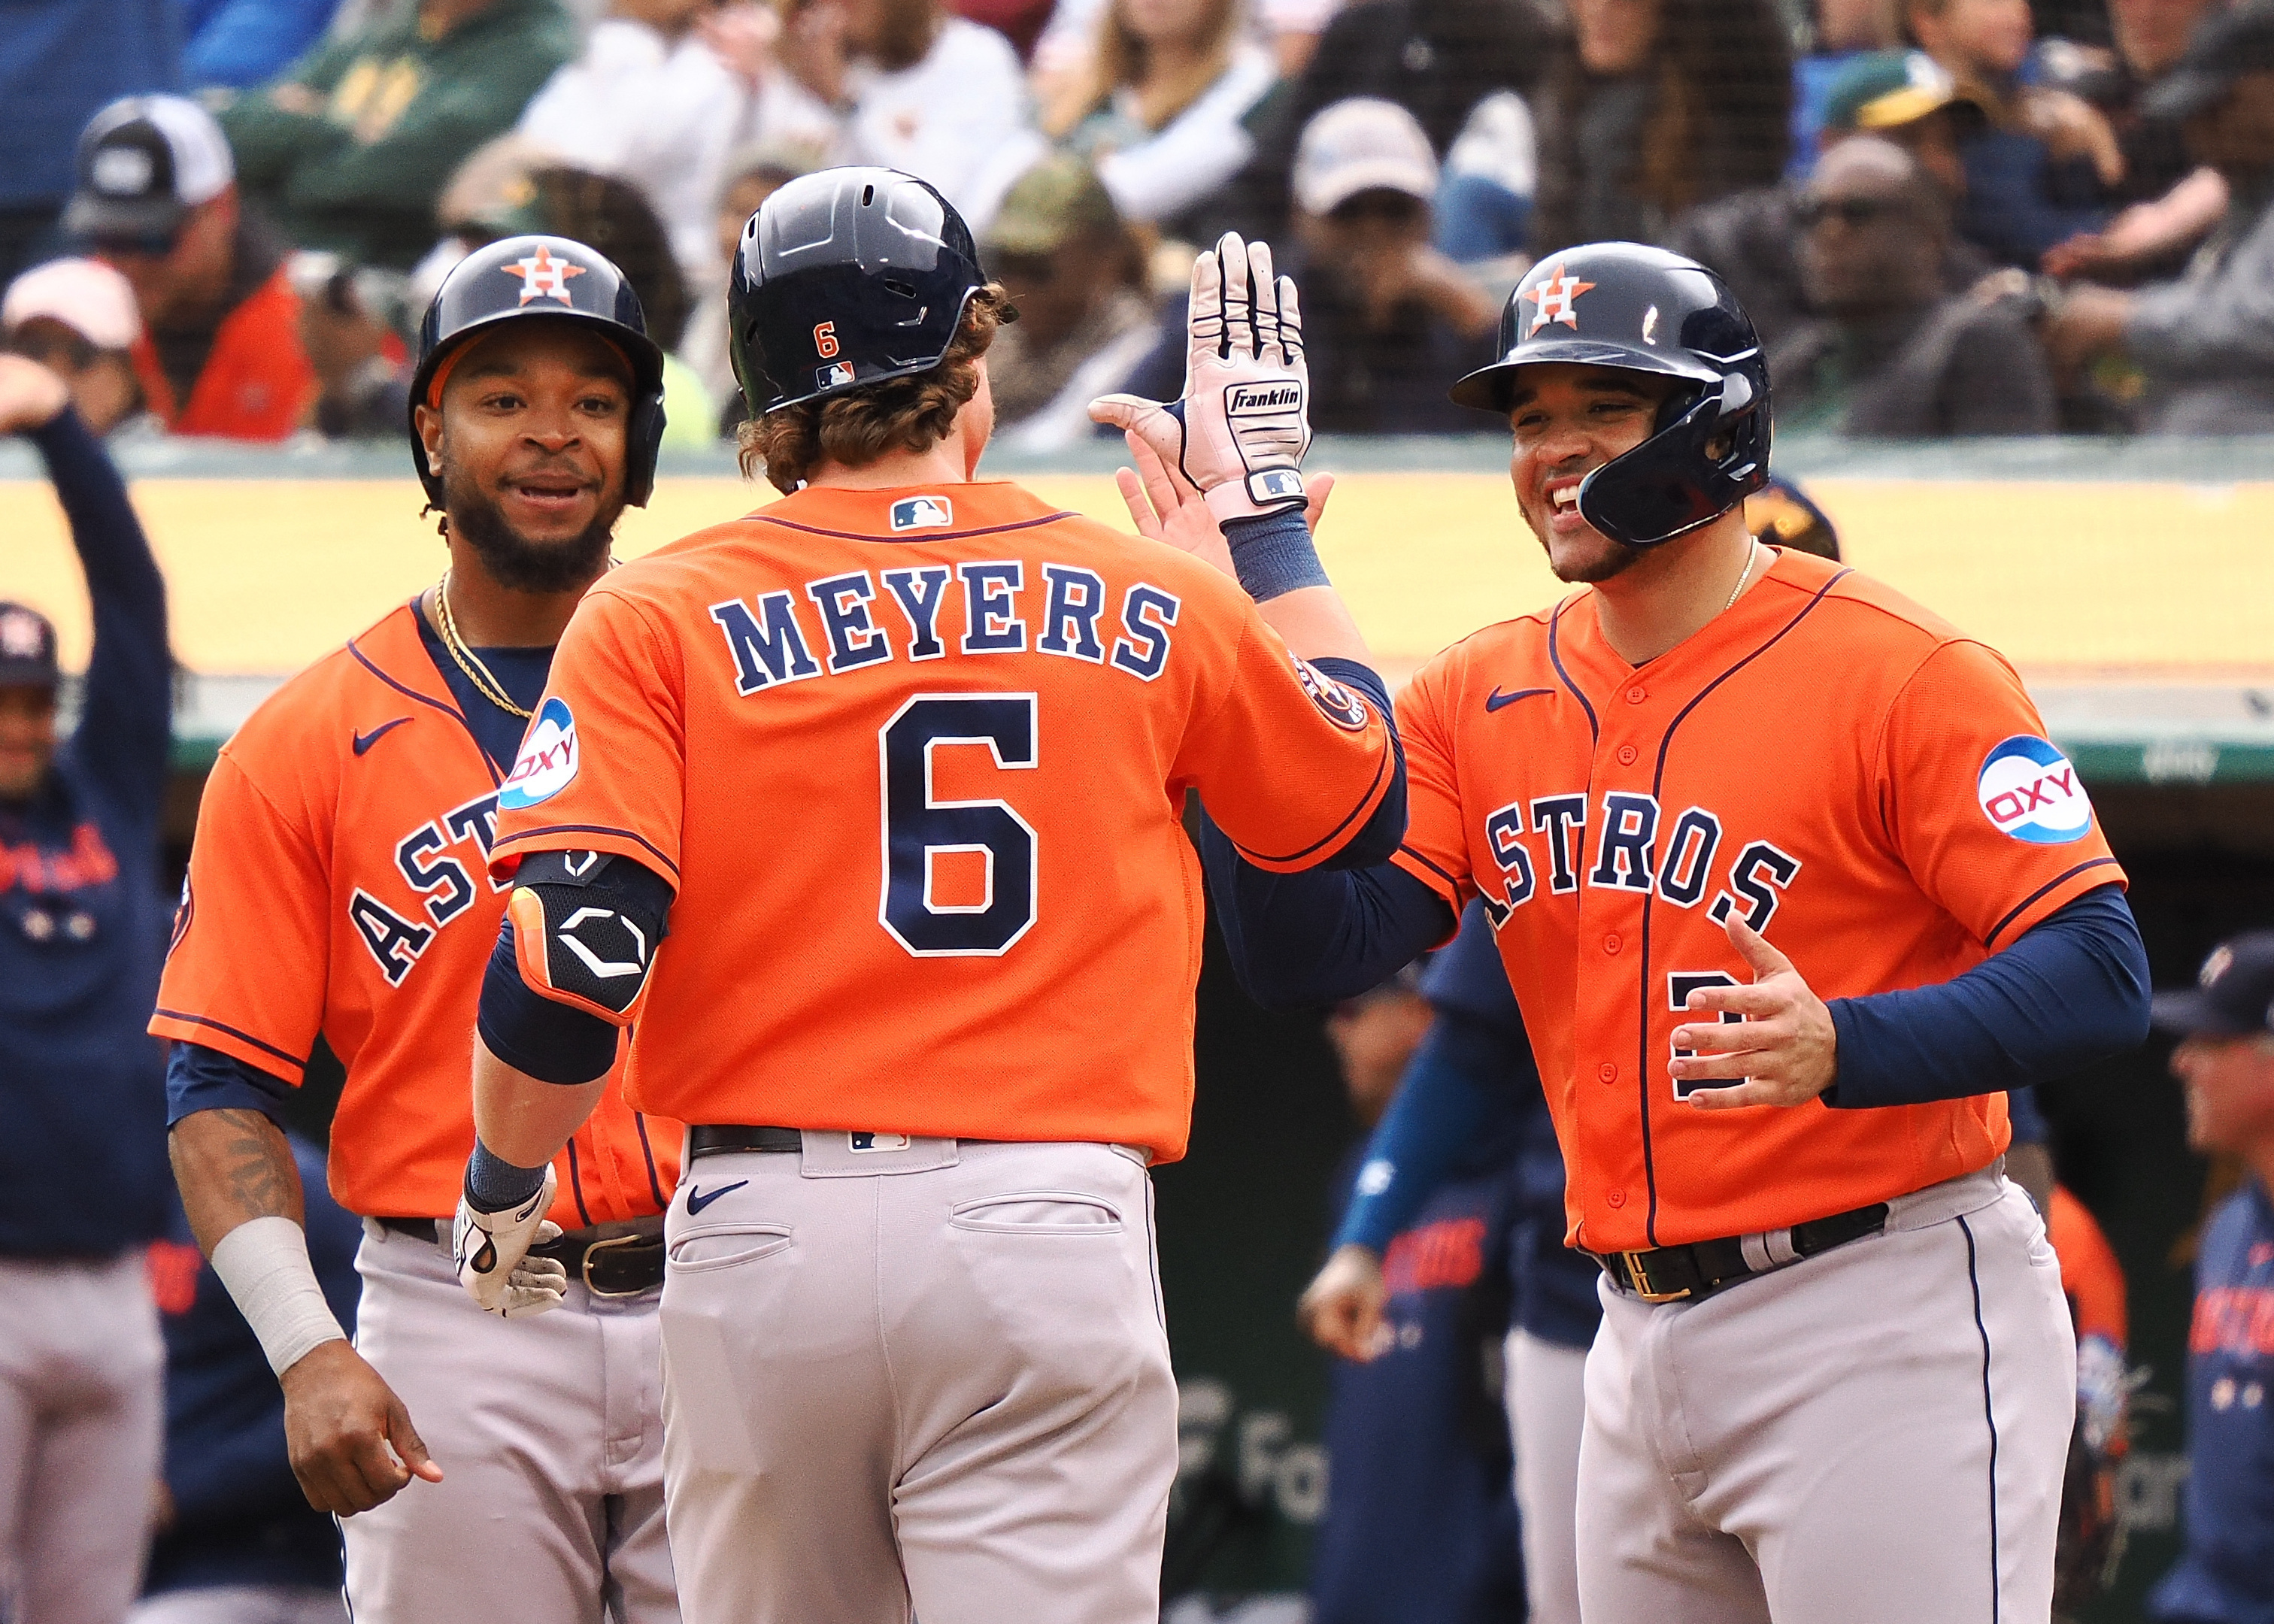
(553, 279)
(847, 278)
(1644, 310)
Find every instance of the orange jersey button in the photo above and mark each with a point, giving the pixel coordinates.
(1611, 942)
(1608, 1072)
(1638, 694)
(1626, 755)
(1616, 1197)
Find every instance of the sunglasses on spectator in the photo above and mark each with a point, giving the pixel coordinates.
(59, 350)
(1378, 203)
(1814, 211)
(150, 245)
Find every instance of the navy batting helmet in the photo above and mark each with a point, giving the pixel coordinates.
(1644, 310)
(847, 278)
(559, 280)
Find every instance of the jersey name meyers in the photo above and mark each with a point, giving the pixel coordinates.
(433, 861)
(841, 622)
(1632, 847)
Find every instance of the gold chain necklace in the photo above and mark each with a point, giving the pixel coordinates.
(470, 663)
(1752, 547)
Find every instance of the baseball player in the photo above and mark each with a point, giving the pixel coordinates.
(1789, 884)
(338, 888)
(898, 762)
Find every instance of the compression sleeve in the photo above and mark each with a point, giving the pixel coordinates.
(533, 1033)
(1324, 933)
(1453, 1094)
(1377, 839)
(199, 1078)
(2070, 990)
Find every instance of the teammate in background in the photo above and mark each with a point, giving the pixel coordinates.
(904, 756)
(338, 888)
(1715, 787)
(2225, 1060)
(1473, 1085)
(82, 1166)
(237, 1543)
(2091, 1539)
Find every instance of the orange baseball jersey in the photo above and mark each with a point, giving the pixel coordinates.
(339, 885)
(1866, 787)
(915, 762)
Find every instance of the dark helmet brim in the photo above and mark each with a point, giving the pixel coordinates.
(1488, 387)
(645, 355)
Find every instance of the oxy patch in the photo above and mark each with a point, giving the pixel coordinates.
(2030, 790)
(548, 761)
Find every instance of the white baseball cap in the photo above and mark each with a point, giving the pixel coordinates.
(144, 163)
(1364, 144)
(86, 295)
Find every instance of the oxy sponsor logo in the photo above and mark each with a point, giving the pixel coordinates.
(547, 760)
(922, 513)
(2030, 790)
(1249, 400)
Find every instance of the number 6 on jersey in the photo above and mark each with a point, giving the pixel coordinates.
(918, 829)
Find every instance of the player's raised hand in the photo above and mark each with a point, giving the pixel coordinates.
(1342, 1308)
(349, 1438)
(31, 396)
(1165, 508)
(1239, 431)
(1783, 1052)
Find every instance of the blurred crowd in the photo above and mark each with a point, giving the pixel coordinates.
(1948, 217)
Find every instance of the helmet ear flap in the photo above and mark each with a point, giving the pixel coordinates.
(643, 443)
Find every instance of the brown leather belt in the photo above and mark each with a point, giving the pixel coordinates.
(611, 1265)
(1688, 1273)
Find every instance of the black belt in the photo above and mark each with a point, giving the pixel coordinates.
(1678, 1274)
(610, 1265)
(724, 1138)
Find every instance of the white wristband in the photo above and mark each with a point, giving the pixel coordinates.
(264, 1263)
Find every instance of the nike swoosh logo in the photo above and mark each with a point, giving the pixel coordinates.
(363, 741)
(1495, 700)
(697, 1199)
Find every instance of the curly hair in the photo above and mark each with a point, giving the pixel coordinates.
(903, 414)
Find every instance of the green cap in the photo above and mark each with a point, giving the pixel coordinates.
(1060, 198)
(1885, 90)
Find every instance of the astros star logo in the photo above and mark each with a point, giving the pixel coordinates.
(543, 276)
(1555, 298)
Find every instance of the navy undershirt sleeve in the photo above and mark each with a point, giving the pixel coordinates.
(199, 1078)
(534, 1034)
(2070, 990)
(1319, 935)
(1377, 840)
(1454, 1095)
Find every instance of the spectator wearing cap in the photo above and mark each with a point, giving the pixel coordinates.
(1437, 59)
(349, 146)
(1892, 354)
(1655, 107)
(1076, 276)
(220, 350)
(2225, 1062)
(60, 60)
(1161, 105)
(83, 1174)
(76, 318)
(1387, 318)
(2039, 165)
(2205, 341)
(1753, 238)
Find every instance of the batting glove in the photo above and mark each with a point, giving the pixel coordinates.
(1239, 431)
(490, 1250)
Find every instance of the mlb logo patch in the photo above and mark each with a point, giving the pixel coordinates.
(1277, 485)
(877, 1141)
(831, 377)
(922, 513)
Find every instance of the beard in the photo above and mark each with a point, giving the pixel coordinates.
(513, 560)
(1590, 568)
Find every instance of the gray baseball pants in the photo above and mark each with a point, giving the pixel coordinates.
(1547, 1412)
(929, 1381)
(82, 1436)
(549, 1432)
(1874, 1435)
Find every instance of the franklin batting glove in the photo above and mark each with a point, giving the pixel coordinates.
(490, 1250)
(1239, 431)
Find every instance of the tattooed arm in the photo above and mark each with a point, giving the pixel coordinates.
(350, 1440)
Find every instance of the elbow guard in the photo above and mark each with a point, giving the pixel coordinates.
(585, 928)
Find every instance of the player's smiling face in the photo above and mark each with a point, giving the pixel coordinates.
(533, 427)
(1565, 420)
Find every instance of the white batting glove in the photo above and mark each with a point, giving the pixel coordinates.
(490, 1250)
(1239, 431)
